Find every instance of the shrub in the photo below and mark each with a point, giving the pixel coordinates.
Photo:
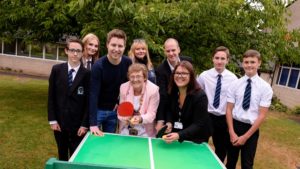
(277, 105)
(295, 110)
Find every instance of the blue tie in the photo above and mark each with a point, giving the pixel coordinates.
(89, 65)
(247, 96)
(218, 92)
(70, 77)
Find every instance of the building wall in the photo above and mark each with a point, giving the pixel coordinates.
(295, 15)
(27, 65)
(267, 77)
(288, 96)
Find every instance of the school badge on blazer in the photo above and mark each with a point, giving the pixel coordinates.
(80, 90)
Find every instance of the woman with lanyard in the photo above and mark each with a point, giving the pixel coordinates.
(91, 45)
(187, 113)
(139, 54)
(144, 96)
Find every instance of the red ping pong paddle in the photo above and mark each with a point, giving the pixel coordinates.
(125, 109)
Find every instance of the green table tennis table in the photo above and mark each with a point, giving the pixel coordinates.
(119, 152)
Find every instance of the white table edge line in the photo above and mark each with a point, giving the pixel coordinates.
(79, 147)
(217, 158)
(151, 154)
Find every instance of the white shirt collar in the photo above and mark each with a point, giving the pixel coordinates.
(75, 68)
(170, 65)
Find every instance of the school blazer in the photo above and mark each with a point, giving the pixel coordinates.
(149, 105)
(68, 106)
(163, 75)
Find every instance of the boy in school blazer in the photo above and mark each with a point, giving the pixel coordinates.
(68, 100)
(248, 101)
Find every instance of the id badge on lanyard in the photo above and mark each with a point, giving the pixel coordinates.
(178, 124)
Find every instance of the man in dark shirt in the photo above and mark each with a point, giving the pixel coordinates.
(163, 74)
(107, 74)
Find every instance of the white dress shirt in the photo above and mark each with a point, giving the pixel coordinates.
(261, 95)
(208, 82)
(75, 70)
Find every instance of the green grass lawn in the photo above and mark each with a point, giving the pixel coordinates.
(26, 140)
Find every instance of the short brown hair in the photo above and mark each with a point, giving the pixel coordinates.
(118, 33)
(222, 49)
(252, 53)
(137, 67)
(73, 40)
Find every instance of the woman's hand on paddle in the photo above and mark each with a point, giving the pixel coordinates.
(135, 120)
(169, 138)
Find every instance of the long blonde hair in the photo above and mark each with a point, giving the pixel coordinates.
(135, 44)
(85, 40)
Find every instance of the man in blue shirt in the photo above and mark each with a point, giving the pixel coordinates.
(107, 74)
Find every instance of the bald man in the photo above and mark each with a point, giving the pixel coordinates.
(163, 74)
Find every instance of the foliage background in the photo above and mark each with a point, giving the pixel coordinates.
(199, 26)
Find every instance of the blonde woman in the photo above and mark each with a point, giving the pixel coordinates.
(139, 53)
(91, 45)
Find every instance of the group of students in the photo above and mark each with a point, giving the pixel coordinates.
(84, 93)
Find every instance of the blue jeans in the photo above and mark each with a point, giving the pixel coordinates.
(107, 120)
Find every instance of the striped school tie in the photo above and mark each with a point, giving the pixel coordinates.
(247, 96)
(70, 77)
(218, 92)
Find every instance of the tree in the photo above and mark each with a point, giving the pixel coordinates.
(199, 26)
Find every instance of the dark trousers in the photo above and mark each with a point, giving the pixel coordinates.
(248, 150)
(220, 135)
(67, 143)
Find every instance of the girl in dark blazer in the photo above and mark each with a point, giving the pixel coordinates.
(90, 53)
(188, 107)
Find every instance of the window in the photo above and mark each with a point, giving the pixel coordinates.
(10, 47)
(61, 52)
(50, 51)
(293, 78)
(289, 76)
(36, 50)
(23, 48)
(1, 45)
(284, 76)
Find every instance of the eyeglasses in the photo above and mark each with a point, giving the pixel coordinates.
(78, 51)
(181, 74)
(138, 77)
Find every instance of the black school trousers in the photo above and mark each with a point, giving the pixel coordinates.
(247, 150)
(67, 142)
(220, 135)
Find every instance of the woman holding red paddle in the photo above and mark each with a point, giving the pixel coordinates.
(144, 96)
